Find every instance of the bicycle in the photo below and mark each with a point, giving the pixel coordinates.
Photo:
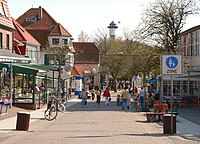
(54, 106)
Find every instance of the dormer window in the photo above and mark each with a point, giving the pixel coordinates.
(55, 41)
(33, 19)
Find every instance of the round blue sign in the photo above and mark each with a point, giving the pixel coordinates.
(172, 62)
(4, 69)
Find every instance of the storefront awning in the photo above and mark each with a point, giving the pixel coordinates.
(42, 67)
(19, 69)
(8, 57)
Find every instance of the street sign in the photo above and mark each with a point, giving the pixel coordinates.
(171, 65)
(4, 69)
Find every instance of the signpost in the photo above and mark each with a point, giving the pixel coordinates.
(172, 65)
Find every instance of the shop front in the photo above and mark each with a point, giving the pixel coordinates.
(21, 85)
(186, 89)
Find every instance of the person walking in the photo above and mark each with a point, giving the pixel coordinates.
(125, 96)
(141, 95)
(84, 97)
(106, 94)
(98, 95)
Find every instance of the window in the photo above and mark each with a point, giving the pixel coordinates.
(1, 41)
(7, 41)
(33, 19)
(55, 41)
(65, 41)
(49, 59)
(28, 19)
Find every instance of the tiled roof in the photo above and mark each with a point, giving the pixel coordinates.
(23, 35)
(81, 70)
(40, 35)
(59, 30)
(46, 23)
(88, 53)
(40, 29)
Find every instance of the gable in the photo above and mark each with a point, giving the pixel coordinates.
(5, 18)
(59, 30)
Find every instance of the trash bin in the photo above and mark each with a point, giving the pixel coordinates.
(23, 119)
(167, 124)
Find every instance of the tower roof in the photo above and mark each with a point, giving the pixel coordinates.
(112, 25)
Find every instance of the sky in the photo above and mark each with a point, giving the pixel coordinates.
(91, 15)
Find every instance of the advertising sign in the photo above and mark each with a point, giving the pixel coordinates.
(171, 65)
(78, 85)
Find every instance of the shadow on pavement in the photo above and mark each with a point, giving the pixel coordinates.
(116, 135)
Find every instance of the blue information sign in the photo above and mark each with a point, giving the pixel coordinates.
(172, 62)
(171, 65)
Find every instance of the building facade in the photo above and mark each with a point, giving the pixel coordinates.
(49, 33)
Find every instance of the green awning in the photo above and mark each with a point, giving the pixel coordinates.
(19, 69)
(42, 67)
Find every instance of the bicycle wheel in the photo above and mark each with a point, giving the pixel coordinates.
(50, 114)
(61, 107)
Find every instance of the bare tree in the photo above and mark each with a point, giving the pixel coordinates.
(83, 37)
(59, 56)
(163, 21)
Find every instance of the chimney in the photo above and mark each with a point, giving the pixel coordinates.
(40, 13)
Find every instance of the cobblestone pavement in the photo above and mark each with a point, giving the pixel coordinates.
(94, 125)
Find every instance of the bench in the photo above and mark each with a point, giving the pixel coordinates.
(157, 116)
(154, 116)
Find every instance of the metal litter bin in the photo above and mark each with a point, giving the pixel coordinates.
(23, 120)
(167, 127)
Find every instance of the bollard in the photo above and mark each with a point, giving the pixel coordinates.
(23, 120)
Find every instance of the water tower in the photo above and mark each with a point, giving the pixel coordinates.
(112, 28)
